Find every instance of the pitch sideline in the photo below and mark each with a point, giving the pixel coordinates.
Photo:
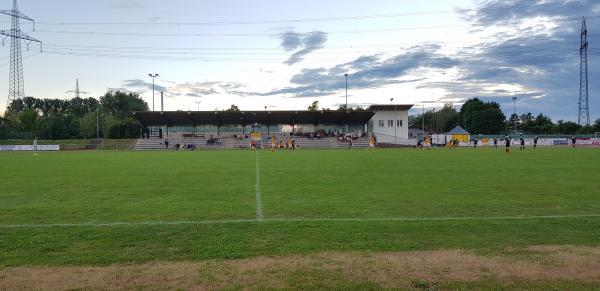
(238, 221)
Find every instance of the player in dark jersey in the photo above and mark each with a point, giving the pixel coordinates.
(507, 143)
(495, 143)
(522, 142)
(535, 141)
(573, 141)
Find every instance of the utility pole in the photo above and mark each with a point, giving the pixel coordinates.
(584, 107)
(515, 116)
(395, 122)
(16, 85)
(153, 76)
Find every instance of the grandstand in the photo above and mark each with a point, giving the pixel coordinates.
(231, 130)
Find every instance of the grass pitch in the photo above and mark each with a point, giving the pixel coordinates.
(101, 208)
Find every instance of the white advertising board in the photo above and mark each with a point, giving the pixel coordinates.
(18, 148)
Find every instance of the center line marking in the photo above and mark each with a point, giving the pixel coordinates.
(259, 207)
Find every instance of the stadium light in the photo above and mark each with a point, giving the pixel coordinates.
(153, 76)
(346, 75)
(515, 113)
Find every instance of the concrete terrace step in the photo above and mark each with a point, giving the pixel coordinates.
(234, 143)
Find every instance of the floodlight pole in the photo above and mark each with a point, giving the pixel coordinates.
(515, 113)
(346, 75)
(423, 120)
(153, 76)
(98, 122)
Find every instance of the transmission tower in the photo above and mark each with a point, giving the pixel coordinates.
(77, 91)
(584, 108)
(16, 86)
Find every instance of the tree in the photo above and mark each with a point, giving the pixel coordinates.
(121, 104)
(123, 128)
(480, 117)
(314, 106)
(567, 127)
(87, 126)
(233, 108)
(597, 126)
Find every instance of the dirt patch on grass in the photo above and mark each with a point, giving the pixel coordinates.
(406, 270)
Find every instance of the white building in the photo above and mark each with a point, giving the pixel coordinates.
(390, 123)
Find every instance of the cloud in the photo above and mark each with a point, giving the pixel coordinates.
(302, 43)
(143, 85)
(505, 12)
(127, 4)
(372, 71)
(533, 54)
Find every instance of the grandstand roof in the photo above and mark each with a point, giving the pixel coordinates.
(390, 107)
(181, 118)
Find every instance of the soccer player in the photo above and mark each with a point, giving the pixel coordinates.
(475, 142)
(507, 141)
(273, 143)
(573, 141)
(495, 143)
(535, 141)
(35, 146)
(350, 144)
(372, 143)
(522, 142)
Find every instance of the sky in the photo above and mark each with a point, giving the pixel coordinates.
(287, 54)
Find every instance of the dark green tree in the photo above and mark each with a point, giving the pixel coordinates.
(480, 117)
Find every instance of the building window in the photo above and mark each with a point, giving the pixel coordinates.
(390, 123)
(399, 123)
(381, 123)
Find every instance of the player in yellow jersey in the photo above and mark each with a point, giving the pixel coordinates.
(372, 144)
(273, 143)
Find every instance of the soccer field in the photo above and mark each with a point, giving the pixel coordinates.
(103, 208)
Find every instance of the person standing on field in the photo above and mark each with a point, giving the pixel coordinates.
(573, 141)
(166, 144)
(522, 142)
(495, 143)
(507, 141)
(535, 141)
(35, 146)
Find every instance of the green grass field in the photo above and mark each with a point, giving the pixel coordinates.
(102, 208)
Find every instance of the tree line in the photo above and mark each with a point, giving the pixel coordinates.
(479, 117)
(75, 118)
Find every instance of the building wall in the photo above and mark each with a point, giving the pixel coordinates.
(385, 133)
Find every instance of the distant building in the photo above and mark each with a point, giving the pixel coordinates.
(390, 123)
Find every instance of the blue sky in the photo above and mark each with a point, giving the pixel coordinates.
(287, 54)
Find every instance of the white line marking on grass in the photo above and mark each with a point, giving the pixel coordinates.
(240, 221)
(259, 206)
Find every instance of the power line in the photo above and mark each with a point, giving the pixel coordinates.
(323, 19)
